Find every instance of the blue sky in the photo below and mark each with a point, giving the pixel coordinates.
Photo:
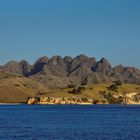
(100, 28)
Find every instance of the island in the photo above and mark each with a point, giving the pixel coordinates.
(79, 80)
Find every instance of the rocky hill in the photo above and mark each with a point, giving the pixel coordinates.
(58, 72)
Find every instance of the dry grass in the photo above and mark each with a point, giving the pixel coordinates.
(93, 91)
(16, 89)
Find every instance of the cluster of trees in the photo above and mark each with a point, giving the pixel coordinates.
(78, 90)
(109, 96)
(114, 86)
(111, 99)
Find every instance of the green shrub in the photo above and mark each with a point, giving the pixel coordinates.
(84, 99)
(95, 101)
(25, 85)
(71, 86)
(113, 87)
(78, 90)
(118, 83)
(111, 99)
(20, 76)
(17, 85)
(75, 91)
(6, 76)
(81, 88)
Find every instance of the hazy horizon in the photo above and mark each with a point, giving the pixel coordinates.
(105, 28)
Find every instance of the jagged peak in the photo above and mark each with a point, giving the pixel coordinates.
(43, 59)
(24, 62)
(93, 58)
(68, 59)
(82, 56)
(12, 62)
(104, 61)
(119, 66)
(56, 60)
(56, 57)
(72, 69)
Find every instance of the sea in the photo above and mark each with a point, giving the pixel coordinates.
(69, 122)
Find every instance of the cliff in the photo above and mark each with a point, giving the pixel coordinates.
(60, 100)
(129, 98)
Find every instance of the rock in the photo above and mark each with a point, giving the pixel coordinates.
(104, 67)
(31, 101)
(68, 60)
(12, 67)
(39, 64)
(58, 100)
(26, 67)
(57, 66)
(82, 60)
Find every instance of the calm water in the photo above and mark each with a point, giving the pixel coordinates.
(65, 122)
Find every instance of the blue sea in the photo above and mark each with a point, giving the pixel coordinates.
(69, 122)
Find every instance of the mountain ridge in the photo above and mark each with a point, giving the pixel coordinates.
(58, 72)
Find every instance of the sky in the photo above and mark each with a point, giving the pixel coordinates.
(97, 28)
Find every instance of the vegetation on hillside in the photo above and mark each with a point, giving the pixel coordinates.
(16, 88)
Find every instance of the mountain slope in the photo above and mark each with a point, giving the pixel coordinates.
(17, 89)
(58, 72)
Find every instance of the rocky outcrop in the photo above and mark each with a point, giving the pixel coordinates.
(13, 67)
(22, 68)
(133, 98)
(60, 100)
(129, 98)
(82, 60)
(25, 67)
(39, 65)
(56, 66)
(126, 74)
(68, 60)
(104, 67)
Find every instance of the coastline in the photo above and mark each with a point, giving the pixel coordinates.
(88, 104)
(82, 103)
(11, 103)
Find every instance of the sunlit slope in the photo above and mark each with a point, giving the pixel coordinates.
(16, 89)
(94, 91)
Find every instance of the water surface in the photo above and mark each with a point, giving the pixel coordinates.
(69, 122)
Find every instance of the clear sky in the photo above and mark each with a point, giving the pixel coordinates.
(100, 28)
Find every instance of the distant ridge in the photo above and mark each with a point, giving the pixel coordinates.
(58, 72)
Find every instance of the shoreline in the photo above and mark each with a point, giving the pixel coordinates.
(65, 104)
(11, 103)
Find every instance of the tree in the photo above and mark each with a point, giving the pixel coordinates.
(118, 83)
(113, 87)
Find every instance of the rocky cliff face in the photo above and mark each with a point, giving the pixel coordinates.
(25, 67)
(58, 72)
(13, 67)
(129, 98)
(60, 100)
